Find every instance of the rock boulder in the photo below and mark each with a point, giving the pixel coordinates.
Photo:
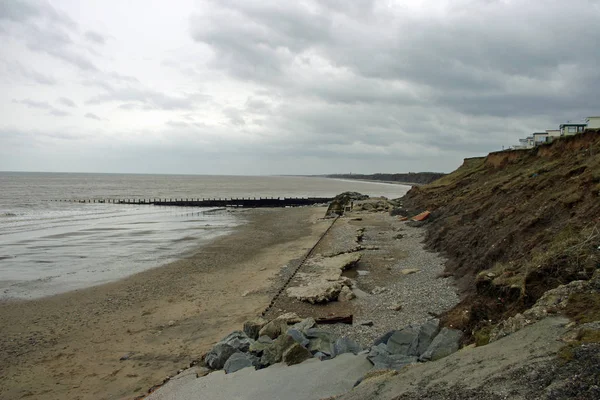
(238, 340)
(274, 353)
(305, 325)
(445, 343)
(253, 327)
(346, 345)
(316, 292)
(238, 361)
(400, 342)
(382, 359)
(218, 355)
(295, 354)
(346, 294)
(274, 328)
(260, 345)
(320, 341)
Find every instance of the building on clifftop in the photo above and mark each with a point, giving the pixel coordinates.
(593, 122)
(572, 128)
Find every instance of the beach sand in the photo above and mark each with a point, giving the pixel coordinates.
(70, 346)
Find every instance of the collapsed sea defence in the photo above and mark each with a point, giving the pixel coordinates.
(292, 340)
(324, 282)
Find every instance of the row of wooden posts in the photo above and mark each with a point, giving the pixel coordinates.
(233, 202)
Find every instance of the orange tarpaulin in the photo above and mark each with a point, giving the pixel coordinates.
(421, 217)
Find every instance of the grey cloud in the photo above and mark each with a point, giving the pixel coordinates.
(234, 116)
(44, 30)
(92, 116)
(57, 44)
(42, 105)
(177, 124)
(255, 39)
(34, 104)
(122, 78)
(128, 106)
(16, 137)
(109, 81)
(147, 99)
(95, 37)
(67, 102)
(466, 55)
(257, 104)
(373, 72)
(59, 113)
(23, 10)
(31, 74)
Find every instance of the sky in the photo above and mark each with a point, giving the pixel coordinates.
(287, 87)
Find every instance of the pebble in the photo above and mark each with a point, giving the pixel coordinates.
(419, 294)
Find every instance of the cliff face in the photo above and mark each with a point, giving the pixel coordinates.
(515, 224)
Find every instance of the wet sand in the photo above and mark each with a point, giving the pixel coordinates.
(69, 346)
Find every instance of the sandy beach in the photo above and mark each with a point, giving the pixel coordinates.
(116, 340)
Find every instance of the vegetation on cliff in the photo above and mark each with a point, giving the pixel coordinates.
(515, 224)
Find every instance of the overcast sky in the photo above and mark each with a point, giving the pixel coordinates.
(287, 87)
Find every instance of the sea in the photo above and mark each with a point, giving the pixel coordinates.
(49, 245)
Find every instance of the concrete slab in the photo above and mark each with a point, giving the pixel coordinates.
(311, 380)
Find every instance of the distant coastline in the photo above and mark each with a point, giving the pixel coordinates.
(375, 181)
(411, 178)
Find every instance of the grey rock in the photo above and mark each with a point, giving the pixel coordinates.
(264, 339)
(305, 324)
(289, 318)
(346, 345)
(346, 294)
(382, 359)
(400, 342)
(445, 343)
(298, 337)
(320, 291)
(425, 335)
(260, 345)
(295, 354)
(320, 341)
(381, 348)
(238, 361)
(253, 327)
(238, 340)
(218, 355)
(383, 338)
(274, 328)
(321, 356)
(274, 353)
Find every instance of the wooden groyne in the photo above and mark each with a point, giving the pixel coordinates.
(233, 202)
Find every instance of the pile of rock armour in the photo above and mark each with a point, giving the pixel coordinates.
(287, 338)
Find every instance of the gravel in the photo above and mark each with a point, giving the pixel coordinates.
(422, 294)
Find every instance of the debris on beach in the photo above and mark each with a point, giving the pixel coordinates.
(422, 216)
(323, 281)
(296, 342)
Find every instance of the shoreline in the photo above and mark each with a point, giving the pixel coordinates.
(410, 184)
(117, 339)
